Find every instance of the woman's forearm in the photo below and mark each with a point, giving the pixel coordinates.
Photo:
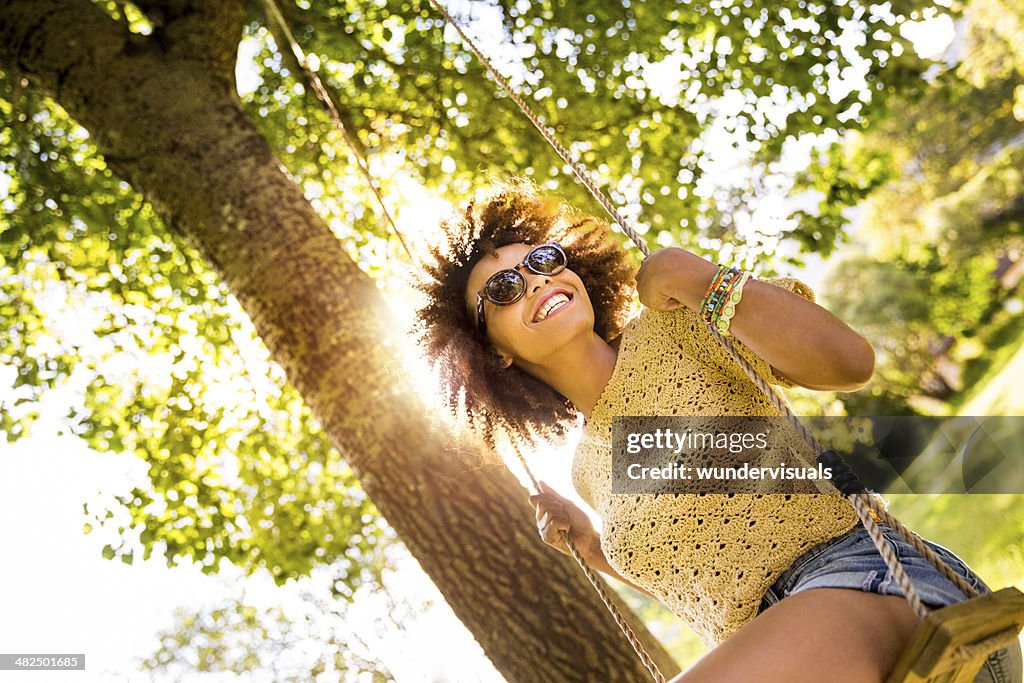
(800, 339)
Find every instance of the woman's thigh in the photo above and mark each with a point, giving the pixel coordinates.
(820, 634)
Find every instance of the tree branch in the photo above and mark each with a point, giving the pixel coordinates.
(45, 39)
(195, 30)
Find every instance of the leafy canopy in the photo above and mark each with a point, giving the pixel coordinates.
(656, 97)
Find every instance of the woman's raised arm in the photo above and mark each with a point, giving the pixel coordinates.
(799, 338)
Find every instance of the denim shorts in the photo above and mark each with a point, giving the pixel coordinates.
(851, 560)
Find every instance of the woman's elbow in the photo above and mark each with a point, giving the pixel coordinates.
(858, 365)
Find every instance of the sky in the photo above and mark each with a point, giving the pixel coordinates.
(57, 594)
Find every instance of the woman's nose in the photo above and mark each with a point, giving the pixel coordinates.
(535, 282)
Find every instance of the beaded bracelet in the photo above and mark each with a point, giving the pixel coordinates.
(716, 291)
(718, 306)
(728, 308)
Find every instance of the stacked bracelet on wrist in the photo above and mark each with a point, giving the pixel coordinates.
(719, 303)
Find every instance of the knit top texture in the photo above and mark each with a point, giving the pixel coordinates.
(709, 558)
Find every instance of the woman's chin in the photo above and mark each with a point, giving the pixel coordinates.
(567, 331)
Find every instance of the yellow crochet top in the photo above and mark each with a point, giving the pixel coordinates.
(708, 558)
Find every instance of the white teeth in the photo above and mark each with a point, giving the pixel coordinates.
(551, 304)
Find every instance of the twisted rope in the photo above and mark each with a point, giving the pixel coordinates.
(922, 549)
(598, 585)
(860, 503)
(549, 135)
(321, 93)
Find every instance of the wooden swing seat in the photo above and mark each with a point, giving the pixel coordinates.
(951, 644)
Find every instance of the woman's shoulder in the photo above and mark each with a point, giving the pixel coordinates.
(650, 322)
(643, 329)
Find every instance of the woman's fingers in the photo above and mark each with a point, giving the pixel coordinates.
(554, 515)
(544, 503)
(551, 533)
(546, 490)
(545, 498)
(551, 525)
(560, 520)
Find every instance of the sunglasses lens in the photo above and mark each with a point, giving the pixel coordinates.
(505, 287)
(546, 260)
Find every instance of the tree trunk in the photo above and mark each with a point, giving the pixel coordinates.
(163, 111)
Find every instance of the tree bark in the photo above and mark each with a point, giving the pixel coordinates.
(163, 111)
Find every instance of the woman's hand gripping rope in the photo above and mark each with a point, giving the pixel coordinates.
(556, 514)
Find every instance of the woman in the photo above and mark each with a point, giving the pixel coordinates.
(525, 322)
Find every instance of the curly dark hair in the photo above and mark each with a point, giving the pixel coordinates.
(494, 398)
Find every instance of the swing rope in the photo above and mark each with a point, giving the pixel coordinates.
(868, 507)
(598, 585)
(322, 94)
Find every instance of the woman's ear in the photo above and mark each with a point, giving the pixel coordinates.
(506, 360)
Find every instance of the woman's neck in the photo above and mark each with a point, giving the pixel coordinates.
(579, 371)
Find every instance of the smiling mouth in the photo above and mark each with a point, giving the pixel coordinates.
(553, 305)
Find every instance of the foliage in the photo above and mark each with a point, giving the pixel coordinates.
(904, 308)
(248, 476)
(932, 234)
(307, 639)
(239, 468)
(995, 555)
(654, 97)
(843, 178)
(990, 375)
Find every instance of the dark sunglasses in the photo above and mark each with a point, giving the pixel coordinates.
(508, 286)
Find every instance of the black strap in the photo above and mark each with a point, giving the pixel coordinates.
(843, 478)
